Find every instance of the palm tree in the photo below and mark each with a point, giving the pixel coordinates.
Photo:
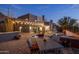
(66, 23)
(63, 23)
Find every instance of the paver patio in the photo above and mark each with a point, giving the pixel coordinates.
(15, 46)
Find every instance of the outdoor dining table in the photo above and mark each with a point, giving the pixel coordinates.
(47, 45)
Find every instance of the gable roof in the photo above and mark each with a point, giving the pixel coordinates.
(2, 15)
(26, 16)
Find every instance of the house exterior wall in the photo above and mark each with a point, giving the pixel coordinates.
(27, 23)
(6, 25)
(27, 26)
(9, 25)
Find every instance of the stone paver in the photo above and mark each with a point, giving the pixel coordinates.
(15, 46)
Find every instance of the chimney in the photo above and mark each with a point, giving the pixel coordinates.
(51, 25)
(43, 17)
(51, 21)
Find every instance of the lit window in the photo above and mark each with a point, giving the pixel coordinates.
(40, 28)
(46, 27)
(30, 27)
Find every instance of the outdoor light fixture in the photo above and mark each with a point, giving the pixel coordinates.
(17, 22)
(25, 23)
(21, 22)
(13, 22)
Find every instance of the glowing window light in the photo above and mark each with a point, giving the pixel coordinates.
(40, 28)
(20, 28)
(46, 27)
(21, 22)
(30, 27)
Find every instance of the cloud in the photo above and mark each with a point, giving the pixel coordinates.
(75, 6)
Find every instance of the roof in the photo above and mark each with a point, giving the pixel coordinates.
(26, 16)
(2, 15)
(46, 23)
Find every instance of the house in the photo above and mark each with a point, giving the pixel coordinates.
(32, 23)
(25, 23)
(6, 23)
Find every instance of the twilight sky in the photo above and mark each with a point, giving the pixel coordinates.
(51, 11)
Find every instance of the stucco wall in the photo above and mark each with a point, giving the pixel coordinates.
(68, 33)
(8, 35)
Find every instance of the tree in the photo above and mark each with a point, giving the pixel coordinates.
(76, 27)
(63, 23)
(71, 23)
(67, 23)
